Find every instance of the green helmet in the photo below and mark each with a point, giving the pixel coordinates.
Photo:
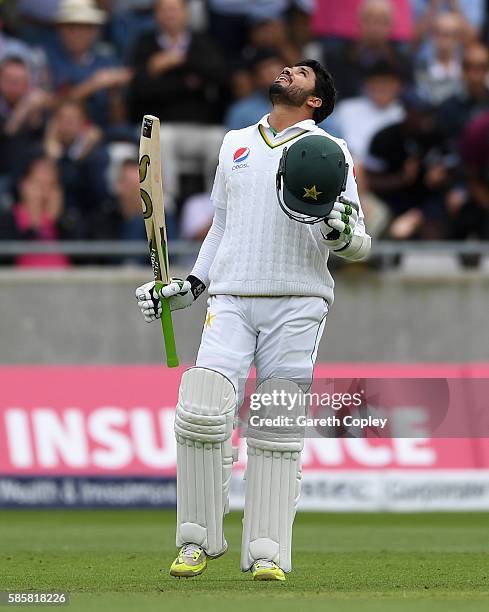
(311, 175)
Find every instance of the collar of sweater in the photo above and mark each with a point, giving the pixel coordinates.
(307, 124)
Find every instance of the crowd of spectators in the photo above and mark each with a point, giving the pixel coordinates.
(76, 77)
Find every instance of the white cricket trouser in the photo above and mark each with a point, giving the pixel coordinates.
(279, 334)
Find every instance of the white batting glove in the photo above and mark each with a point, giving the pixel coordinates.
(177, 292)
(148, 301)
(339, 225)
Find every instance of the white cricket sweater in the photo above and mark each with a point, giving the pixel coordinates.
(262, 251)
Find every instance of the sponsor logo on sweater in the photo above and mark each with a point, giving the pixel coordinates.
(240, 155)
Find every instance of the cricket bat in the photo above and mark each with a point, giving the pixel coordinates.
(151, 190)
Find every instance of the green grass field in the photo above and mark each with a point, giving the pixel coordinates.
(119, 560)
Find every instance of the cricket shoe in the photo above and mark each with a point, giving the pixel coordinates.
(263, 569)
(191, 561)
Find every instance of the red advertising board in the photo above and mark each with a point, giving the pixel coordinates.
(116, 422)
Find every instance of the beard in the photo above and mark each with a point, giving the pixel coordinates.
(288, 95)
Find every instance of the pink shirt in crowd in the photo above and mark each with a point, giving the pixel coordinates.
(329, 20)
(46, 231)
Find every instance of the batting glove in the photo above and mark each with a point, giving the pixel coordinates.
(179, 293)
(339, 225)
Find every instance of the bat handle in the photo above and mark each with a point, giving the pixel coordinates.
(168, 335)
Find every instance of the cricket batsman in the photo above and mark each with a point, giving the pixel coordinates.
(285, 196)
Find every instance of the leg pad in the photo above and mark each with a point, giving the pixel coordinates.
(203, 427)
(273, 479)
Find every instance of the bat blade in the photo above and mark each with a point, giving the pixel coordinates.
(152, 203)
(152, 196)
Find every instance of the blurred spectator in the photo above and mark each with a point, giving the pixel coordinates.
(39, 211)
(455, 112)
(129, 202)
(360, 118)
(12, 46)
(247, 111)
(230, 22)
(197, 215)
(299, 20)
(350, 62)
(9, 14)
(470, 215)
(410, 164)
(119, 217)
(76, 145)
(336, 25)
(125, 6)
(453, 116)
(472, 15)
(272, 33)
(180, 77)
(35, 23)
(8, 229)
(22, 107)
(128, 20)
(33, 57)
(44, 11)
(409, 170)
(440, 76)
(82, 68)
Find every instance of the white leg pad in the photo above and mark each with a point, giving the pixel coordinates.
(273, 479)
(203, 428)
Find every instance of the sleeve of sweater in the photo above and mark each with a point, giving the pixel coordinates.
(209, 247)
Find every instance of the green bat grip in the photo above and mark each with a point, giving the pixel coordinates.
(168, 335)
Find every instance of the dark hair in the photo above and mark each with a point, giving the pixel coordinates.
(129, 163)
(384, 68)
(414, 101)
(264, 54)
(27, 165)
(67, 102)
(13, 59)
(324, 89)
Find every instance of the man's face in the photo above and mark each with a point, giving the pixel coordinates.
(127, 189)
(376, 22)
(383, 89)
(476, 67)
(171, 15)
(45, 174)
(78, 38)
(293, 86)
(69, 123)
(14, 82)
(419, 121)
(39, 182)
(447, 34)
